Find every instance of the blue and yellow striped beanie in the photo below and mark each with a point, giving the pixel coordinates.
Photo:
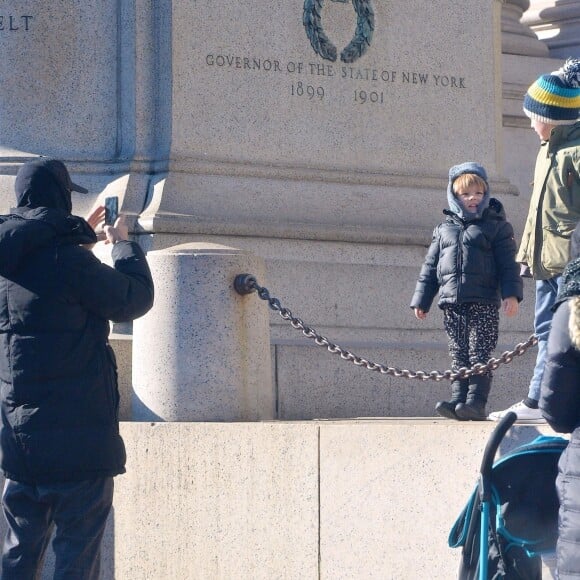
(555, 98)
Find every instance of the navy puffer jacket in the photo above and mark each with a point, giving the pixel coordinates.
(560, 404)
(58, 375)
(470, 260)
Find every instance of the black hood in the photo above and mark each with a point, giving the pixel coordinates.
(45, 183)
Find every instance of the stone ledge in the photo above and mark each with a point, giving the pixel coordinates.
(366, 498)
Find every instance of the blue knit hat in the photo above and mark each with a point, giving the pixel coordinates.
(555, 98)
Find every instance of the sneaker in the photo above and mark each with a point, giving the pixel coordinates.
(524, 413)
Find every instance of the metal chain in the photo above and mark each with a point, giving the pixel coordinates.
(246, 284)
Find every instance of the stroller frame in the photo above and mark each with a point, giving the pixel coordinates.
(516, 552)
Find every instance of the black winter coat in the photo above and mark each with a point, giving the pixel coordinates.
(470, 261)
(58, 375)
(560, 404)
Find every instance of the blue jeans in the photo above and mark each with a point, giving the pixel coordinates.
(78, 510)
(546, 292)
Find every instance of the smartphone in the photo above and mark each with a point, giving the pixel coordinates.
(111, 210)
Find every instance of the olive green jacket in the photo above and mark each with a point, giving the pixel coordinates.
(555, 204)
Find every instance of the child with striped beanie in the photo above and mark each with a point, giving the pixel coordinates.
(555, 98)
(553, 105)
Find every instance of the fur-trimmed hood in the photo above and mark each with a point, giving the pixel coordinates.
(574, 321)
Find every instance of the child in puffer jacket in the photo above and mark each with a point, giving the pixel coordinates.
(471, 264)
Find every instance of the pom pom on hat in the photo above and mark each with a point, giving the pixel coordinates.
(555, 98)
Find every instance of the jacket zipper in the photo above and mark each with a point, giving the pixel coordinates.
(459, 259)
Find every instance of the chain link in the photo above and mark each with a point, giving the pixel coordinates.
(248, 283)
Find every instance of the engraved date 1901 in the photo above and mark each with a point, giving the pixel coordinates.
(366, 97)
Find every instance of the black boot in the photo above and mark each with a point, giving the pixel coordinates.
(474, 407)
(458, 395)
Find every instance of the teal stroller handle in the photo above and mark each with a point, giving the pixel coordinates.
(511, 517)
(490, 452)
(485, 487)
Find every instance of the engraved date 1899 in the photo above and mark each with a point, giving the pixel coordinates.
(299, 89)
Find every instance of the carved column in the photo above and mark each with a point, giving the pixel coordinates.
(517, 38)
(557, 23)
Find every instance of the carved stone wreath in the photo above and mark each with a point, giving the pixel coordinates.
(322, 44)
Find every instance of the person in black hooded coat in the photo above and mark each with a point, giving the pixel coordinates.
(60, 445)
(560, 406)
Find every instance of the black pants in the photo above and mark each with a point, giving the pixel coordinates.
(472, 330)
(77, 510)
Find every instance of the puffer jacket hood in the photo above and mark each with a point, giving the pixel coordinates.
(45, 182)
(454, 204)
(26, 230)
(493, 211)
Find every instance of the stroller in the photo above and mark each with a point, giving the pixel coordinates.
(511, 518)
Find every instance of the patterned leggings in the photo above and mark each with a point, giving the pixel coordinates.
(472, 330)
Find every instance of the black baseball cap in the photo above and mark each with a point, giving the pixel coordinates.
(59, 171)
(45, 182)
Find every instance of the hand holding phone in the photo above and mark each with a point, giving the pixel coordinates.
(116, 233)
(111, 210)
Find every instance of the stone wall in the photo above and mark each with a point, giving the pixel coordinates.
(324, 500)
(222, 123)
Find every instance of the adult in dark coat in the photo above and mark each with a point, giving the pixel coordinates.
(59, 438)
(560, 406)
